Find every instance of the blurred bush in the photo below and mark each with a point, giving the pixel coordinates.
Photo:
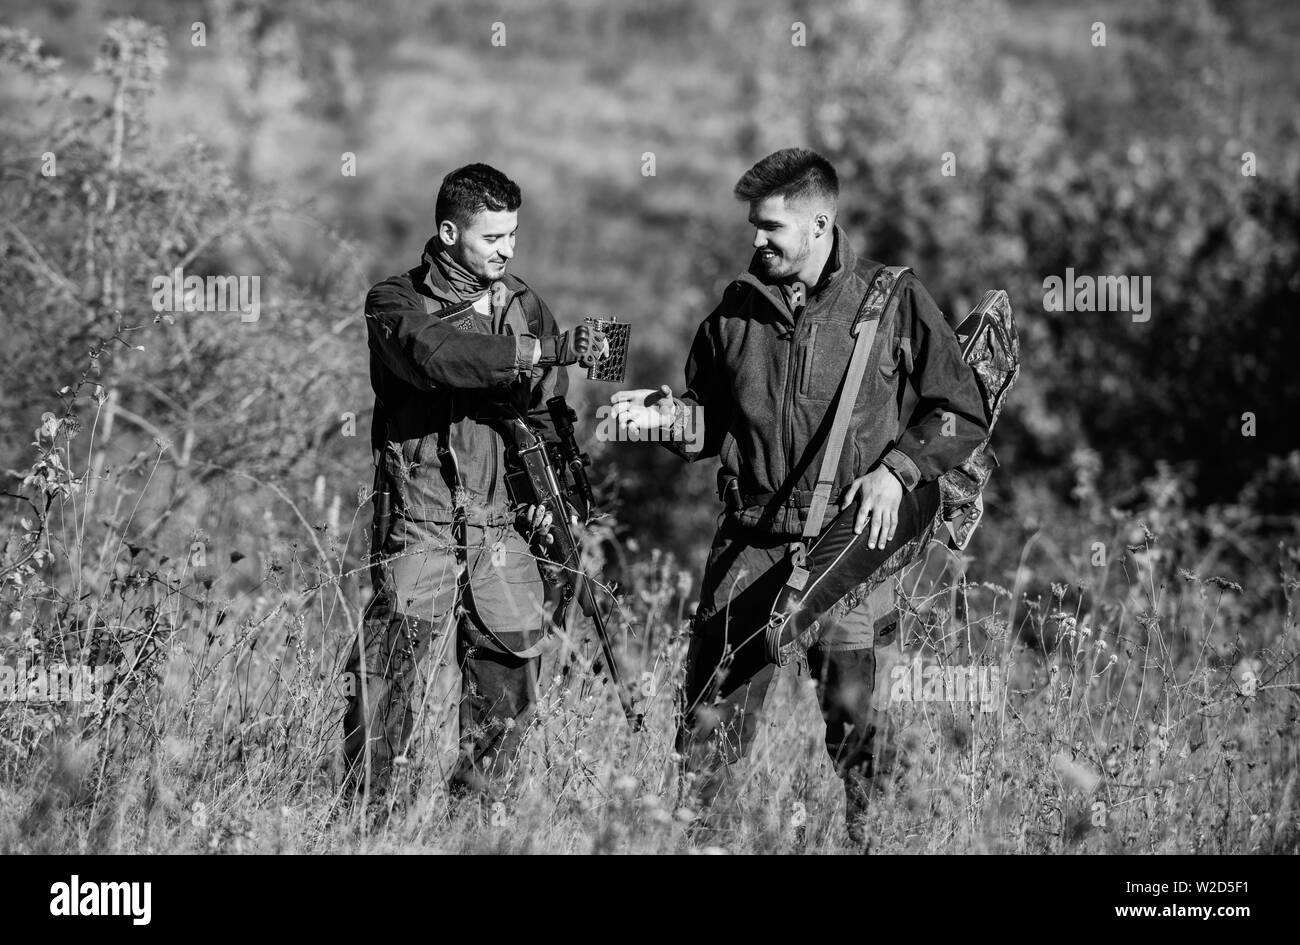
(1124, 160)
(81, 248)
(889, 89)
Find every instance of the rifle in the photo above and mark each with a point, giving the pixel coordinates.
(536, 483)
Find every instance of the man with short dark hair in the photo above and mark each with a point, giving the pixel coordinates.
(456, 344)
(765, 370)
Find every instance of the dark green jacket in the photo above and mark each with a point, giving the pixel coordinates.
(440, 373)
(766, 376)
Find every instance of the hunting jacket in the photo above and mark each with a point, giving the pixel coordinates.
(442, 373)
(766, 375)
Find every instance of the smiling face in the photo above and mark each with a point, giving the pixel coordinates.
(485, 245)
(786, 234)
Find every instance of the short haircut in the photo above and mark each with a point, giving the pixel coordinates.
(792, 173)
(474, 187)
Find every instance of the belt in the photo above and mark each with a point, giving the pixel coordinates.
(736, 501)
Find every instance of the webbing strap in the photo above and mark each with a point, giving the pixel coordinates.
(880, 298)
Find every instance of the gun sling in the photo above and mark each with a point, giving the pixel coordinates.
(839, 558)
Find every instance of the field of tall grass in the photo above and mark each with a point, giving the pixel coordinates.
(1132, 698)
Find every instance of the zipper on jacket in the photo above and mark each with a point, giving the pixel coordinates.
(809, 352)
(784, 426)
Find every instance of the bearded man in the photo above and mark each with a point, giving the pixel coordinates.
(764, 371)
(457, 344)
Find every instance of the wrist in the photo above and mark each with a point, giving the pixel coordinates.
(681, 416)
(527, 353)
(549, 349)
(903, 469)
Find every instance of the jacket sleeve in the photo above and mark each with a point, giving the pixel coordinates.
(546, 383)
(948, 422)
(707, 396)
(428, 353)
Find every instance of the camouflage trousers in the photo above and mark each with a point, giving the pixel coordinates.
(432, 639)
(491, 694)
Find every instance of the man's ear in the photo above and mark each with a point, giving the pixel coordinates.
(822, 223)
(448, 232)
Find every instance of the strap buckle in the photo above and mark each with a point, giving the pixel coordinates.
(729, 493)
(798, 565)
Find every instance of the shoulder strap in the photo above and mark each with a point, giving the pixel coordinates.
(878, 304)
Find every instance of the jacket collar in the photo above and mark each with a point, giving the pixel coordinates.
(436, 282)
(842, 262)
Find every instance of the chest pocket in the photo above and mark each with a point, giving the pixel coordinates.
(821, 360)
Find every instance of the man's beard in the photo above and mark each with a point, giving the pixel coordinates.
(484, 269)
(782, 267)
(465, 276)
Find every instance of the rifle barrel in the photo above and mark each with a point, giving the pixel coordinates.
(547, 491)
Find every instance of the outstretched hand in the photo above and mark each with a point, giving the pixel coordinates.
(638, 410)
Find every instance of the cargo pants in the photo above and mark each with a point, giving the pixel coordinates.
(729, 681)
(457, 631)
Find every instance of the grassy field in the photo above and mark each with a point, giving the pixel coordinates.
(1140, 704)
